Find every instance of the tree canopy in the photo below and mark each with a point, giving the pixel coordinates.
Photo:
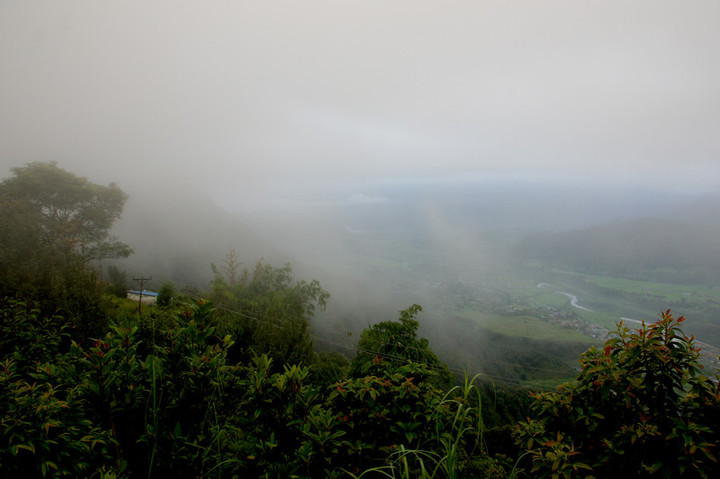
(398, 342)
(52, 223)
(63, 211)
(267, 310)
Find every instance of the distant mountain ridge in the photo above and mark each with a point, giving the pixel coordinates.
(520, 204)
(656, 249)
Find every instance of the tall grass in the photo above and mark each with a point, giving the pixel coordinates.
(154, 396)
(456, 441)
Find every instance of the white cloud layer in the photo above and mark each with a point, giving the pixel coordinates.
(258, 98)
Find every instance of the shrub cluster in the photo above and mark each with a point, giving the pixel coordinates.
(165, 401)
(640, 405)
(160, 397)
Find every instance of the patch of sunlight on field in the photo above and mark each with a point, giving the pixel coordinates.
(526, 326)
(552, 299)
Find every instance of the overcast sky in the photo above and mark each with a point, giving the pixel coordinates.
(258, 97)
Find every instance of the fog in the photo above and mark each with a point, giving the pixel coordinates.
(387, 148)
(259, 102)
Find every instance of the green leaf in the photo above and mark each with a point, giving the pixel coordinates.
(28, 447)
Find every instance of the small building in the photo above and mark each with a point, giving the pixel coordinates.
(148, 297)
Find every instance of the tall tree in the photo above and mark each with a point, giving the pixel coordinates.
(52, 223)
(397, 342)
(267, 311)
(65, 212)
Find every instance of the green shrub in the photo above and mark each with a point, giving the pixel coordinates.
(640, 405)
(44, 428)
(31, 337)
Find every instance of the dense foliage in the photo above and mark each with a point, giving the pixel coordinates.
(266, 310)
(397, 342)
(160, 398)
(640, 405)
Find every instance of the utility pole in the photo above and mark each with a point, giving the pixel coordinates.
(141, 280)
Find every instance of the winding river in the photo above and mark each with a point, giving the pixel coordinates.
(574, 304)
(574, 301)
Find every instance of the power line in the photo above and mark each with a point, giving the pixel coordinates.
(401, 359)
(355, 348)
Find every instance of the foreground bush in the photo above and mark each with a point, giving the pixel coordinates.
(640, 405)
(160, 399)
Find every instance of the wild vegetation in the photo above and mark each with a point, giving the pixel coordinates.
(228, 382)
(640, 405)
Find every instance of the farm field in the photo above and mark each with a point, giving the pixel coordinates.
(525, 326)
(608, 300)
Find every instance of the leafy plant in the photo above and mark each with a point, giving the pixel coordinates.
(641, 404)
(397, 342)
(44, 429)
(266, 311)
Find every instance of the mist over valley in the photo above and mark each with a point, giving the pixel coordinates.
(472, 252)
